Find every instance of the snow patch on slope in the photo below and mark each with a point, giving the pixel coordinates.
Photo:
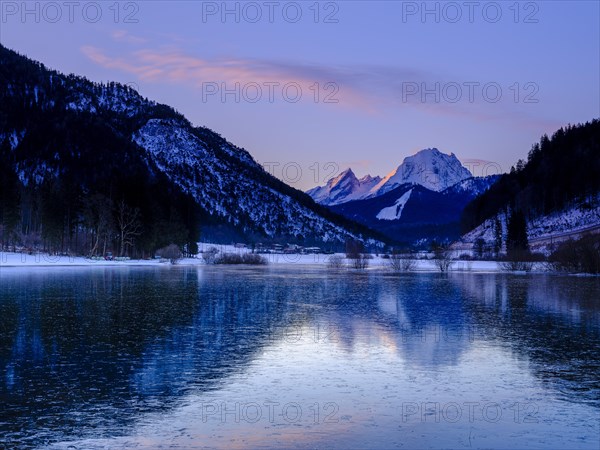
(394, 212)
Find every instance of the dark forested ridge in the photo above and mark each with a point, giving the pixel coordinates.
(73, 180)
(560, 170)
(65, 171)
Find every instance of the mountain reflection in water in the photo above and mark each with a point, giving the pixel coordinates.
(88, 352)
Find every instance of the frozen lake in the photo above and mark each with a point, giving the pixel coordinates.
(272, 357)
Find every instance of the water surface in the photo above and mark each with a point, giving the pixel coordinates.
(181, 357)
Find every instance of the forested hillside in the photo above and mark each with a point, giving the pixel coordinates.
(87, 168)
(560, 170)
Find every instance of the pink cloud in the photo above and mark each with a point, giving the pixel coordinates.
(125, 36)
(177, 67)
(372, 90)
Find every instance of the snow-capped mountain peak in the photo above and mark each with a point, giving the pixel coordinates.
(345, 178)
(429, 168)
(369, 179)
(343, 188)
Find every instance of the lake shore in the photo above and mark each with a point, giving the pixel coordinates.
(42, 260)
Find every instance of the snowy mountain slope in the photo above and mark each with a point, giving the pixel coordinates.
(474, 186)
(74, 140)
(543, 231)
(227, 189)
(343, 188)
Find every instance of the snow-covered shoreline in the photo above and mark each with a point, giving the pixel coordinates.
(22, 260)
(317, 261)
(15, 261)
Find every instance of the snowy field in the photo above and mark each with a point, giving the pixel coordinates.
(376, 263)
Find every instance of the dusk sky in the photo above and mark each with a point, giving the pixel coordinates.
(371, 61)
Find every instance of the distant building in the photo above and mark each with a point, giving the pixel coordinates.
(312, 250)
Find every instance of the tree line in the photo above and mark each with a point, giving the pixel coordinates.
(71, 180)
(560, 170)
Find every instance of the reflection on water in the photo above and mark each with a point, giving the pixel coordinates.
(150, 357)
(552, 322)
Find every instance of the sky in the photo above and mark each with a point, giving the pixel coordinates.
(311, 88)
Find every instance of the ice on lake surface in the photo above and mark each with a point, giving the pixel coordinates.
(195, 357)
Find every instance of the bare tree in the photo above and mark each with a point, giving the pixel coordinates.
(582, 255)
(244, 258)
(210, 255)
(442, 258)
(2, 236)
(399, 262)
(171, 252)
(98, 218)
(517, 261)
(479, 247)
(354, 248)
(129, 226)
(360, 261)
(515, 266)
(355, 253)
(335, 262)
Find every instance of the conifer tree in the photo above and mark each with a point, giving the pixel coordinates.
(517, 244)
